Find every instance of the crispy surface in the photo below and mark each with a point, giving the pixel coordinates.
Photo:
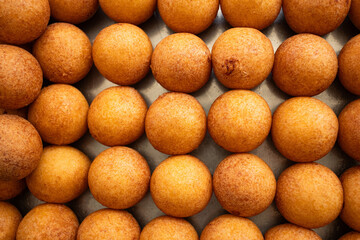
(351, 236)
(354, 13)
(290, 231)
(10, 189)
(10, 218)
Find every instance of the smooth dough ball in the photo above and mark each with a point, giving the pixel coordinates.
(165, 228)
(351, 236)
(304, 129)
(349, 65)
(48, 222)
(119, 177)
(122, 53)
(188, 16)
(257, 14)
(229, 227)
(305, 65)
(354, 13)
(61, 175)
(309, 195)
(23, 21)
(117, 116)
(64, 53)
(181, 63)
(290, 231)
(181, 186)
(128, 11)
(175, 123)
(244, 184)
(10, 219)
(59, 114)
(20, 147)
(242, 58)
(109, 224)
(74, 12)
(10, 189)
(21, 77)
(239, 120)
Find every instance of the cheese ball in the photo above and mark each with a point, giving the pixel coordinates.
(64, 53)
(248, 13)
(128, 11)
(239, 120)
(10, 189)
(349, 132)
(351, 236)
(117, 116)
(290, 231)
(181, 63)
(354, 13)
(59, 114)
(188, 16)
(229, 227)
(48, 222)
(109, 224)
(305, 65)
(181, 186)
(165, 227)
(20, 148)
(349, 73)
(61, 175)
(175, 123)
(304, 129)
(244, 184)
(74, 12)
(309, 195)
(21, 77)
(23, 21)
(242, 58)
(10, 218)
(315, 16)
(119, 177)
(122, 53)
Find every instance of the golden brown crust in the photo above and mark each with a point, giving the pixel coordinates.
(10, 218)
(290, 231)
(354, 13)
(10, 189)
(351, 236)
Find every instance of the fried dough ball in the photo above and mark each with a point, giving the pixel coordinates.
(117, 116)
(122, 53)
(20, 148)
(10, 189)
(354, 13)
(109, 224)
(304, 129)
(181, 63)
(21, 77)
(23, 21)
(351, 236)
(309, 195)
(10, 218)
(48, 222)
(59, 114)
(239, 120)
(64, 53)
(181, 186)
(290, 231)
(119, 177)
(242, 58)
(175, 123)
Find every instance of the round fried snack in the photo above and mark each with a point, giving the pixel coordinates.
(244, 184)
(351, 236)
(10, 189)
(21, 77)
(229, 227)
(117, 116)
(305, 65)
(59, 114)
(250, 13)
(304, 129)
(109, 224)
(354, 13)
(128, 11)
(20, 147)
(181, 63)
(64, 53)
(119, 177)
(122, 53)
(242, 58)
(188, 16)
(165, 227)
(175, 123)
(23, 21)
(10, 218)
(181, 186)
(48, 222)
(290, 231)
(309, 195)
(239, 120)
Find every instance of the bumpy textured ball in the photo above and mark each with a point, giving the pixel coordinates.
(290, 231)
(10, 189)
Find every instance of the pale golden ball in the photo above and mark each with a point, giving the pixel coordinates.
(10, 189)
(290, 231)
(10, 219)
(351, 236)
